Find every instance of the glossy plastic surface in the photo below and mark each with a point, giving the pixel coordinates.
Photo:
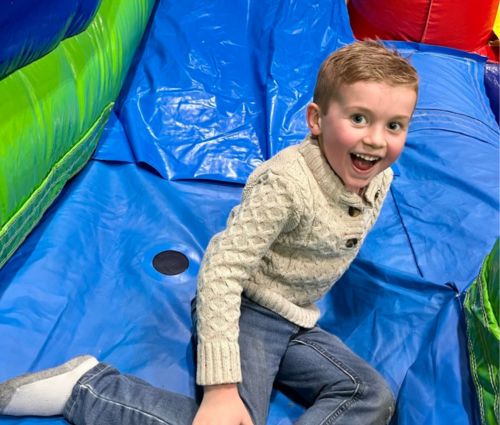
(84, 282)
(217, 89)
(51, 105)
(31, 29)
(492, 84)
(209, 104)
(461, 24)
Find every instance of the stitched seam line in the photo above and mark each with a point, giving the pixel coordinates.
(356, 393)
(484, 315)
(79, 387)
(43, 196)
(426, 27)
(86, 385)
(99, 372)
(134, 409)
(407, 233)
(72, 407)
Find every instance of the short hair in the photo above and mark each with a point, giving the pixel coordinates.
(367, 60)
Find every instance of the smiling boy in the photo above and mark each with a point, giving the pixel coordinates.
(303, 217)
(361, 114)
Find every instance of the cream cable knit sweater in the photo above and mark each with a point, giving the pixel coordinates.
(294, 234)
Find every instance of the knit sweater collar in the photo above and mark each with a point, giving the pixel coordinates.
(330, 183)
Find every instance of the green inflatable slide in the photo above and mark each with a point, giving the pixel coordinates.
(482, 316)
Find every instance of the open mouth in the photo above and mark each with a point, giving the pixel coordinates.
(364, 162)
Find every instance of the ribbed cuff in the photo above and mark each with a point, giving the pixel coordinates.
(304, 316)
(218, 363)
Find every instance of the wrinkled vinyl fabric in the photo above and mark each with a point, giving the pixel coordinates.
(492, 84)
(482, 306)
(216, 91)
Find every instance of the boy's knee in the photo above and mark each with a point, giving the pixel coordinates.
(370, 397)
(379, 396)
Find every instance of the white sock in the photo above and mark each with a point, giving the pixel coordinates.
(43, 393)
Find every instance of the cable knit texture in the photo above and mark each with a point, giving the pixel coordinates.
(295, 232)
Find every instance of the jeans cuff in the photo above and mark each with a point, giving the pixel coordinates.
(69, 408)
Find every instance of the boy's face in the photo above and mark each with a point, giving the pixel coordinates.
(364, 130)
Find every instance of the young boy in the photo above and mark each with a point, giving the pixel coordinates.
(303, 217)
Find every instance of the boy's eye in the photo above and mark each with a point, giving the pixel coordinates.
(358, 119)
(395, 126)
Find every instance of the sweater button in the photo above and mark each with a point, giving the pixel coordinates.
(351, 243)
(354, 212)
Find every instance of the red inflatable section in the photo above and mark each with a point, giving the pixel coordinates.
(461, 24)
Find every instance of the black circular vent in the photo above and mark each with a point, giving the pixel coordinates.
(170, 262)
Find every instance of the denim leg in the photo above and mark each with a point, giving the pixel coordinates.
(263, 340)
(103, 396)
(339, 386)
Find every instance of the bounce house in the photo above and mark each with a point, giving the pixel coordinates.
(128, 129)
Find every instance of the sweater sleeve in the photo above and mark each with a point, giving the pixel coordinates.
(267, 208)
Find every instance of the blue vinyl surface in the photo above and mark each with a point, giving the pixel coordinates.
(215, 92)
(492, 83)
(209, 95)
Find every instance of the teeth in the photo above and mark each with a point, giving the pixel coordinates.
(367, 157)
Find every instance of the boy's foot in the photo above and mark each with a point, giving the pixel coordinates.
(43, 393)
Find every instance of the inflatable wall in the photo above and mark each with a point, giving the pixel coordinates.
(464, 24)
(212, 91)
(57, 91)
(482, 309)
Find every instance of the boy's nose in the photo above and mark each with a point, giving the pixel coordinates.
(375, 138)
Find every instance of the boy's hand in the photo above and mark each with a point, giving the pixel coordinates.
(222, 405)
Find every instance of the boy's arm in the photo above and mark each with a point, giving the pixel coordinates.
(267, 207)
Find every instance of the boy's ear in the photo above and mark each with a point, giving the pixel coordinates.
(314, 118)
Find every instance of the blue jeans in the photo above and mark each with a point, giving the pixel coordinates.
(316, 367)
